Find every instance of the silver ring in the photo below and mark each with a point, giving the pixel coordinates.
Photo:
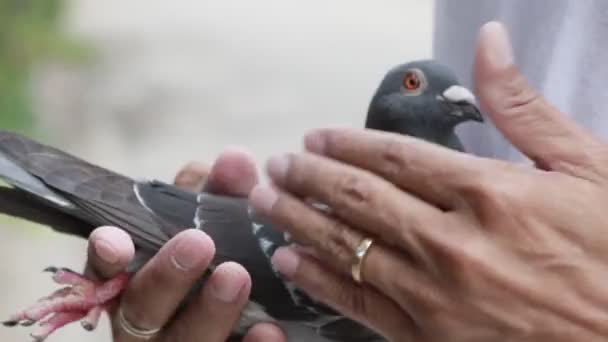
(129, 328)
(360, 253)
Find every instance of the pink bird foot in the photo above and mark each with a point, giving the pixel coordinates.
(82, 300)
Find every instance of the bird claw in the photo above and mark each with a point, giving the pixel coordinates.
(83, 299)
(10, 323)
(27, 323)
(53, 323)
(51, 269)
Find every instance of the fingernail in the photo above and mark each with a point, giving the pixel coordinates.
(277, 168)
(105, 251)
(315, 142)
(496, 36)
(286, 261)
(188, 253)
(227, 282)
(263, 198)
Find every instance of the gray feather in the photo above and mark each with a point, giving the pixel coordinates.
(15, 175)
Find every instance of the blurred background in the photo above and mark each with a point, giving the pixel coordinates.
(144, 86)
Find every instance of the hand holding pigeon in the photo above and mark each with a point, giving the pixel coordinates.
(146, 301)
(428, 244)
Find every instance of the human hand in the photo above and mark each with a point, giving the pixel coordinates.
(466, 248)
(154, 293)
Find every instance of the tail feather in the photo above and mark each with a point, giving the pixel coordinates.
(92, 193)
(18, 177)
(21, 204)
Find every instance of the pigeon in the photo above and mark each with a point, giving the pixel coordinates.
(423, 99)
(51, 187)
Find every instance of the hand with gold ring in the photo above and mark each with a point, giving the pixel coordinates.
(464, 248)
(149, 306)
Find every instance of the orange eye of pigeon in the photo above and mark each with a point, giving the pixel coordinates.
(411, 81)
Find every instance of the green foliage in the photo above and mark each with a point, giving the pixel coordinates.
(30, 32)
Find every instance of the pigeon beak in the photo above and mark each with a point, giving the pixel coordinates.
(464, 103)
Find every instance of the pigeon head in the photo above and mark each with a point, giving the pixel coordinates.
(423, 99)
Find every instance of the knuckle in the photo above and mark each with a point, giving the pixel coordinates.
(518, 96)
(469, 256)
(351, 189)
(497, 191)
(462, 263)
(493, 190)
(340, 242)
(520, 101)
(393, 157)
(402, 155)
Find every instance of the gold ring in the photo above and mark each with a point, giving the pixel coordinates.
(131, 329)
(360, 253)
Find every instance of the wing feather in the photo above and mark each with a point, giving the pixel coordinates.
(100, 196)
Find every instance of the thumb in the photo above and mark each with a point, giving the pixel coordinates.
(535, 127)
(234, 173)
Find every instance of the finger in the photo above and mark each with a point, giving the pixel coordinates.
(110, 250)
(539, 130)
(192, 176)
(212, 316)
(234, 173)
(432, 172)
(156, 290)
(360, 303)
(337, 243)
(358, 197)
(265, 332)
(307, 226)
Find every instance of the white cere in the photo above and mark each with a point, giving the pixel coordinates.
(457, 93)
